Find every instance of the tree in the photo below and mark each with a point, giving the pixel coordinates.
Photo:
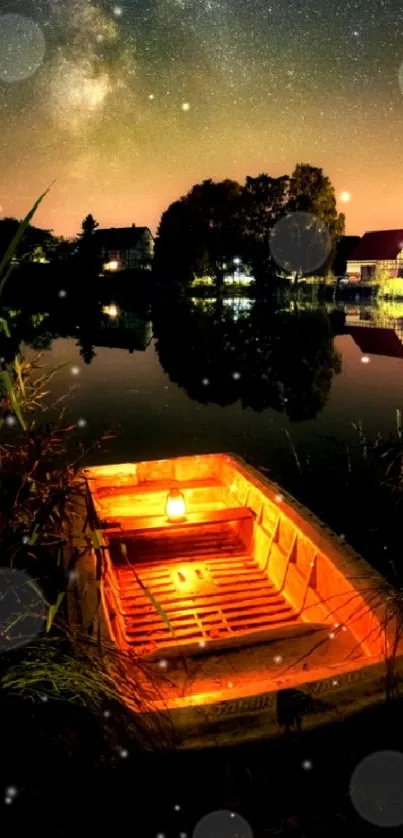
(200, 234)
(312, 192)
(88, 256)
(35, 244)
(173, 257)
(64, 249)
(264, 201)
(203, 232)
(88, 227)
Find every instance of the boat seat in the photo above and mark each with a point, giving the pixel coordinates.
(130, 524)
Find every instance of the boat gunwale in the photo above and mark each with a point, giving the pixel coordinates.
(340, 554)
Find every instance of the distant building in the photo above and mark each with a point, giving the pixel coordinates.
(379, 255)
(125, 248)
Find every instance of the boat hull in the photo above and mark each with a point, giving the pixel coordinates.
(315, 668)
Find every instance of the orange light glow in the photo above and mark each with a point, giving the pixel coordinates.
(184, 579)
(111, 266)
(111, 311)
(226, 563)
(175, 505)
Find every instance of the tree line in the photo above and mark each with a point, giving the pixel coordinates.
(203, 232)
(215, 223)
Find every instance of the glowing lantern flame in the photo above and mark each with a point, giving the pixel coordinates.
(175, 505)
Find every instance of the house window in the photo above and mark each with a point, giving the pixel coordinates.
(367, 272)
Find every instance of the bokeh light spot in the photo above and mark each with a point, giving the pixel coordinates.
(22, 47)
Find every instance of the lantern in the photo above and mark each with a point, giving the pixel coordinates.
(175, 505)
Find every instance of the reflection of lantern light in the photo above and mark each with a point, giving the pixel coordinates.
(175, 505)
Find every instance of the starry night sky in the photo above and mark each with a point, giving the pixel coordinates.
(128, 104)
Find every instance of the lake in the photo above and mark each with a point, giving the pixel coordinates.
(244, 377)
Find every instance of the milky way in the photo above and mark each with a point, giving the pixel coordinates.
(127, 104)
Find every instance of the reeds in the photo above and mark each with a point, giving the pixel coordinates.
(39, 493)
(72, 669)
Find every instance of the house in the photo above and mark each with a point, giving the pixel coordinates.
(378, 256)
(124, 248)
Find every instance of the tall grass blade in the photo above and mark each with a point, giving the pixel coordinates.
(5, 375)
(16, 240)
(53, 609)
(149, 595)
(294, 450)
(399, 423)
(18, 370)
(4, 327)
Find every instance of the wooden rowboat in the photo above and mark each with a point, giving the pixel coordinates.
(205, 559)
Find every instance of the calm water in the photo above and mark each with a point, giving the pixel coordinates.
(196, 378)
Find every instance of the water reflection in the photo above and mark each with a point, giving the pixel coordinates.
(91, 326)
(235, 350)
(219, 351)
(236, 305)
(377, 329)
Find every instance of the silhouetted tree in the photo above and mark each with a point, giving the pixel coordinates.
(264, 201)
(88, 257)
(34, 242)
(88, 227)
(200, 234)
(312, 192)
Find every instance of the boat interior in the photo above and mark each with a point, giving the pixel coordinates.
(240, 566)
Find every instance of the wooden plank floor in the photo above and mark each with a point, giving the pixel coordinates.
(209, 588)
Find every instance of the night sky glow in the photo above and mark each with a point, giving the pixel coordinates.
(128, 104)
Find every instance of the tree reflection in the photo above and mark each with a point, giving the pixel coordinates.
(264, 358)
(89, 326)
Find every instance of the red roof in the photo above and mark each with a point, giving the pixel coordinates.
(379, 244)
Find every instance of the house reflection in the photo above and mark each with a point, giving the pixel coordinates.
(125, 330)
(377, 330)
(91, 327)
